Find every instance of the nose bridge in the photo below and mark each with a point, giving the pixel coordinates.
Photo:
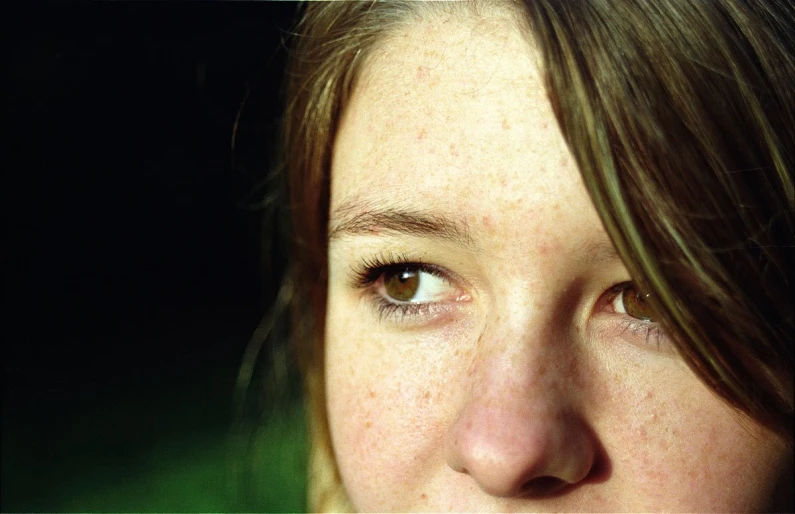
(523, 346)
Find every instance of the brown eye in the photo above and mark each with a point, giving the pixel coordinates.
(634, 303)
(402, 285)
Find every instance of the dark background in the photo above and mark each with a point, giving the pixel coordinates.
(133, 275)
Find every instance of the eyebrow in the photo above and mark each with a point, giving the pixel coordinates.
(361, 219)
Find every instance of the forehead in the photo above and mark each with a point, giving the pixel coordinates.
(450, 113)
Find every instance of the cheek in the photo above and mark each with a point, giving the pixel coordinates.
(387, 407)
(678, 445)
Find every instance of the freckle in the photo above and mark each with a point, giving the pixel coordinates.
(545, 124)
(423, 496)
(372, 393)
(564, 162)
(368, 424)
(421, 134)
(422, 72)
(453, 150)
(505, 124)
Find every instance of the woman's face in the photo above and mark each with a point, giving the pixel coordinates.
(484, 351)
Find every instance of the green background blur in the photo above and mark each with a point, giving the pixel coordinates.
(135, 273)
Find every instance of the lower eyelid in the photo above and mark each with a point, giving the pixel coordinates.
(419, 313)
(649, 333)
(386, 308)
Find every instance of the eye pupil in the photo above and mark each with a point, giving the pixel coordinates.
(635, 304)
(402, 285)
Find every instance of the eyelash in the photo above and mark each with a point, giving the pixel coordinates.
(645, 330)
(369, 271)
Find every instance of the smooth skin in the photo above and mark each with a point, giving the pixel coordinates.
(519, 383)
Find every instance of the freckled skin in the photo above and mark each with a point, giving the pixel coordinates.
(523, 398)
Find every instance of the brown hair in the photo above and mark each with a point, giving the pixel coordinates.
(680, 116)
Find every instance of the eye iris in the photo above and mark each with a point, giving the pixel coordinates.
(635, 304)
(402, 285)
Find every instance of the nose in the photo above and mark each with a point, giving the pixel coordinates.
(519, 433)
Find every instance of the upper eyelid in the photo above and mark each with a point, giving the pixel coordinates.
(368, 270)
(380, 262)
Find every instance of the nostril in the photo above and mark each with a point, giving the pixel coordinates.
(542, 486)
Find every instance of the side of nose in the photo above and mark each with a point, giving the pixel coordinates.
(518, 432)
